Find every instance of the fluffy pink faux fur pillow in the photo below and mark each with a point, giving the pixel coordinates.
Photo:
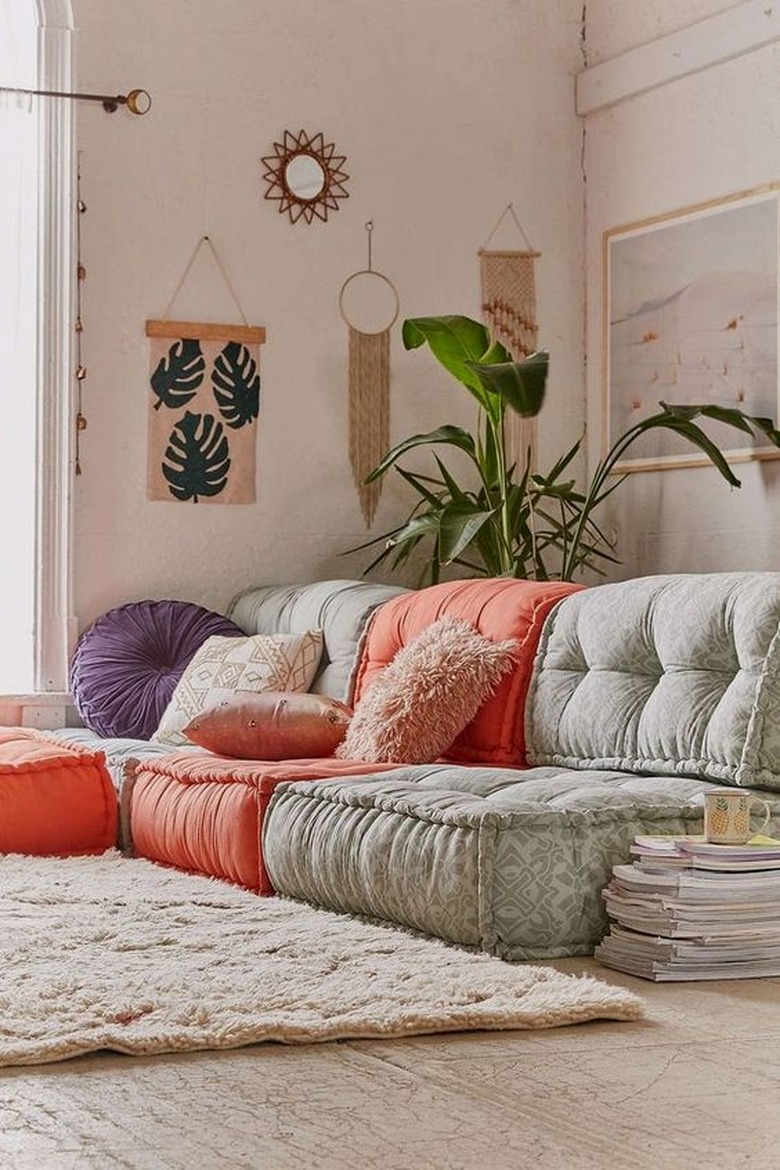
(431, 690)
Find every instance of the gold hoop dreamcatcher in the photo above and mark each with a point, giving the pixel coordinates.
(369, 304)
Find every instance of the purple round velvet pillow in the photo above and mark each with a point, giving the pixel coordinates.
(128, 662)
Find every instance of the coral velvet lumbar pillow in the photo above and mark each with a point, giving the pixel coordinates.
(272, 726)
(431, 690)
(226, 666)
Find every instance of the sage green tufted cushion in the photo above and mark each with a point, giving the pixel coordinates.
(676, 674)
(511, 862)
(342, 609)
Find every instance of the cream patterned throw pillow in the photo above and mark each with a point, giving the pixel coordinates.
(224, 666)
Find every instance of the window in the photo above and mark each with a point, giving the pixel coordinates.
(18, 348)
(36, 270)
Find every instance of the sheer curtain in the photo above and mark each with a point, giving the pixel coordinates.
(19, 141)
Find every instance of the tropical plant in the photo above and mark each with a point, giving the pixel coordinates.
(506, 520)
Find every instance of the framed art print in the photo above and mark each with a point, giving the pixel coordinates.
(691, 317)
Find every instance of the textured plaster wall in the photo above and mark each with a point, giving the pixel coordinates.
(615, 26)
(446, 109)
(693, 140)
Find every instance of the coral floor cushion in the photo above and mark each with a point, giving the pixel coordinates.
(54, 799)
(128, 662)
(205, 813)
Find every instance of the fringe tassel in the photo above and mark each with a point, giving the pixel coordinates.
(369, 412)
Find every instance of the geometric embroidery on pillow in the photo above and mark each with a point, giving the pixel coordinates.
(224, 666)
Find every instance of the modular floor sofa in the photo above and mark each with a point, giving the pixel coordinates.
(628, 702)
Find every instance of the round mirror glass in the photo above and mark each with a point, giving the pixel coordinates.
(304, 176)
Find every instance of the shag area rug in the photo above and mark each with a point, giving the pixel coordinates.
(117, 953)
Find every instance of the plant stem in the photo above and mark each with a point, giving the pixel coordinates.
(506, 533)
(603, 468)
(531, 526)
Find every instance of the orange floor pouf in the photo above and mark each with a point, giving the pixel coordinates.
(204, 813)
(54, 799)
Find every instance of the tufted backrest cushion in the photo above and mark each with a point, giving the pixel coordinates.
(500, 608)
(341, 609)
(673, 674)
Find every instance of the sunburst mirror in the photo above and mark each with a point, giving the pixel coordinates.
(305, 176)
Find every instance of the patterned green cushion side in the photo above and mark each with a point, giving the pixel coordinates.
(358, 848)
(512, 862)
(760, 763)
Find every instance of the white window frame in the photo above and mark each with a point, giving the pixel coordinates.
(55, 625)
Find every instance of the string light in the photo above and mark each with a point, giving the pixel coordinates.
(80, 372)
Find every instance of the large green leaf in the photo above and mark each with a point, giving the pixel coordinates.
(178, 374)
(733, 418)
(425, 525)
(236, 384)
(457, 493)
(454, 341)
(496, 353)
(420, 484)
(197, 458)
(453, 436)
(689, 430)
(520, 385)
(459, 523)
(729, 415)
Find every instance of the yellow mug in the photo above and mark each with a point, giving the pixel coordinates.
(727, 816)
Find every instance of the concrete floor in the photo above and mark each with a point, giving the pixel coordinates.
(694, 1084)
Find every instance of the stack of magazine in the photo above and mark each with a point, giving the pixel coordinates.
(688, 909)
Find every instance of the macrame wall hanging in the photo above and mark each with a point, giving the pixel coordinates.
(203, 406)
(369, 304)
(509, 311)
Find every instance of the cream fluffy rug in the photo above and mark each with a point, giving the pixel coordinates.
(109, 952)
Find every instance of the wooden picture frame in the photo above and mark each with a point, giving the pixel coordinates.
(692, 316)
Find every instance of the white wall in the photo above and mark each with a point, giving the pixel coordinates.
(615, 26)
(446, 109)
(698, 138)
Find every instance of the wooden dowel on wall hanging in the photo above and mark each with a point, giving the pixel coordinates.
(207, 331)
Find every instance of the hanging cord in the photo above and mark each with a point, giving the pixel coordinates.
(81, 275)
(369, 226)
(510, 210)
(204, 240)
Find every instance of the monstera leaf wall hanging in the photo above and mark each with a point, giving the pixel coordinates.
(204, 402)
(203, 406)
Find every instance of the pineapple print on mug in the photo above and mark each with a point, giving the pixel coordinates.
(727, 816)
